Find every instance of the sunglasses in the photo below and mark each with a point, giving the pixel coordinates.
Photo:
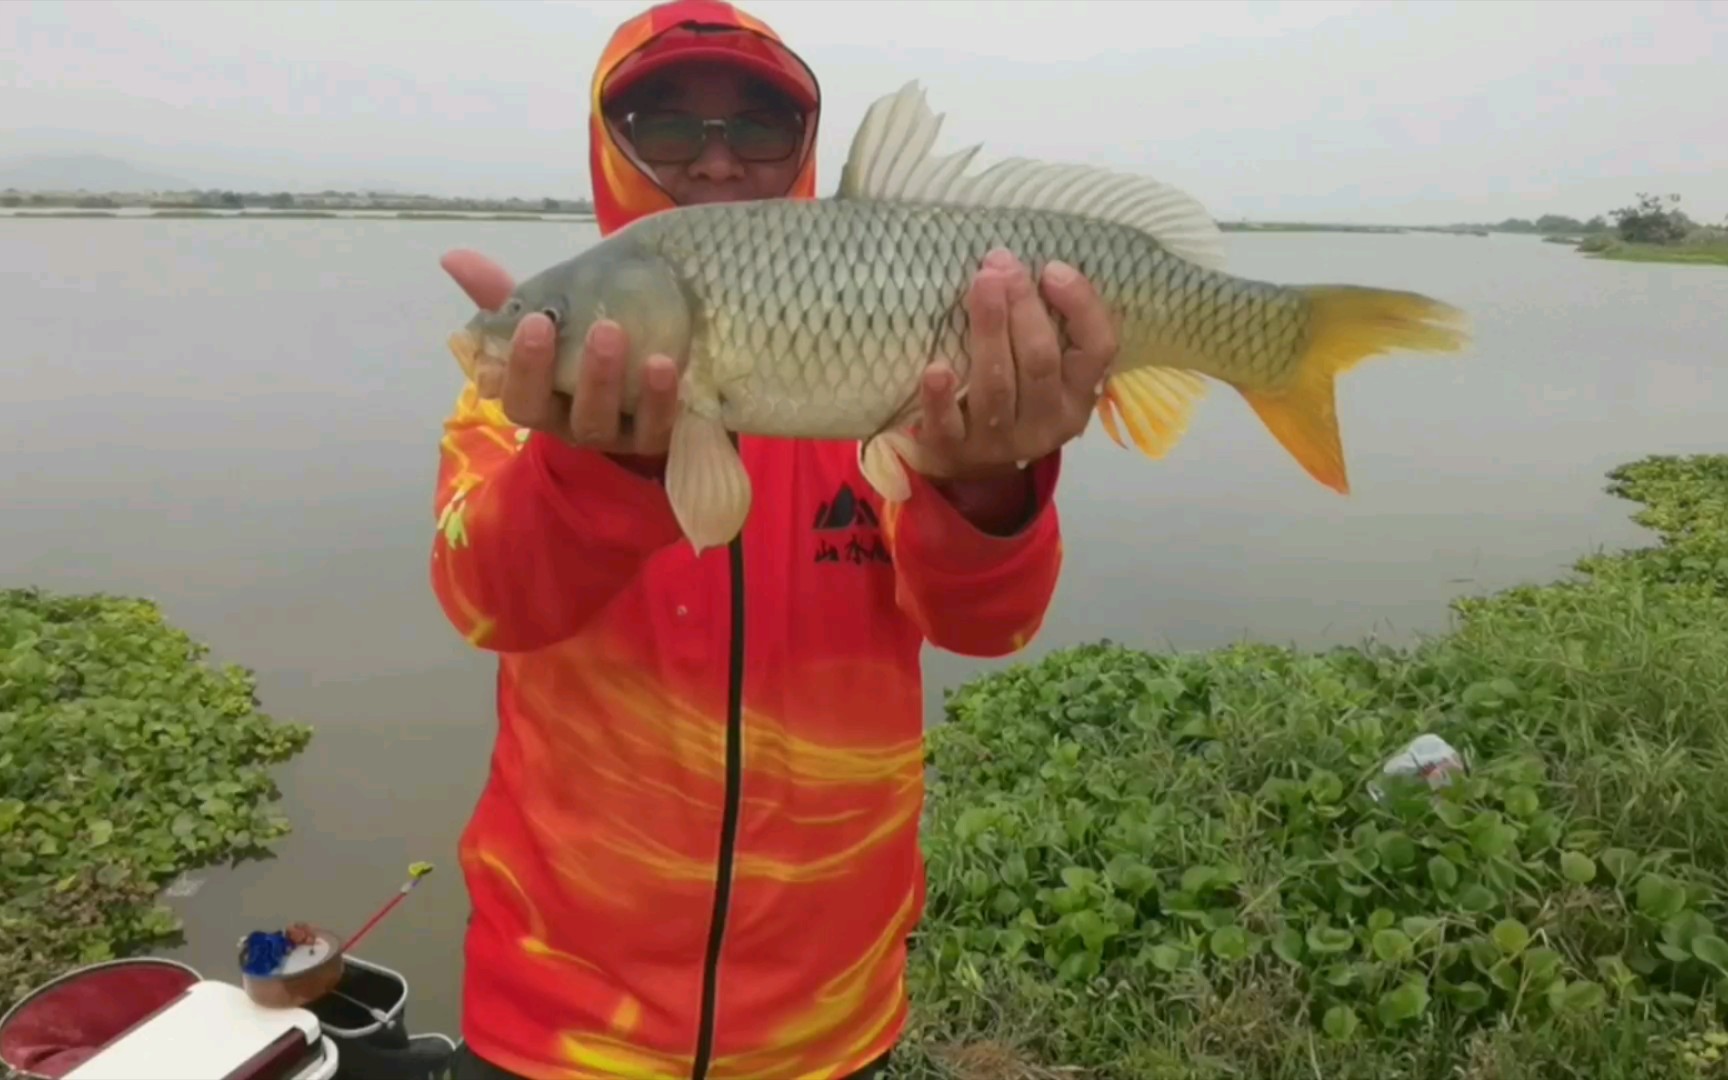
(671, 137)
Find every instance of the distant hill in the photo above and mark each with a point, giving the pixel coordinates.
(91, 172)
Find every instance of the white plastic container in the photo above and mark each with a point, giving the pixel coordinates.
(214, 1032)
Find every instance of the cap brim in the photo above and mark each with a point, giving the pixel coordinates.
(772, 63)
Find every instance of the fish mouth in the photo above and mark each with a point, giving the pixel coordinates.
(482, 358)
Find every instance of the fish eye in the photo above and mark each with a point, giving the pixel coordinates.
(514, 306)
(550, 313)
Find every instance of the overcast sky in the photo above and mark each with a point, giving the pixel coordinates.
(1372, 112)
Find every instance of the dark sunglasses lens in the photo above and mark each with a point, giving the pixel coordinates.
(763, 138)
(667, 137)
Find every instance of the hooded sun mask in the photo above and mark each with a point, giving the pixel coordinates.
(679, 32)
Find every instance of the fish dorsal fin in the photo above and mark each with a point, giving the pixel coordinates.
(890, 160)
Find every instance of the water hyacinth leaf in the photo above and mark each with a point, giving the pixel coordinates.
(1330, 939)
(1541, 964)
(1469, 996)
(1404, 1003)
(1230, 943)
(1443, 873)
(1392, 946)
(1660, 897)
(1577, 997)
(1711, 949)
(1396, 850)
(1476, 899)
(1578, 868)
(1287, 944)
(1340, 1023)
(1165, 957)
(1510, 936)
(1620, 862)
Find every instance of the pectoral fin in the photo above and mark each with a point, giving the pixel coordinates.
(706, 481)
(884, 458)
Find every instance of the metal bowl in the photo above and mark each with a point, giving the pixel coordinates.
(308, 972)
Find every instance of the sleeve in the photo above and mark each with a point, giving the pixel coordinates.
(969, 592)
(534, 536)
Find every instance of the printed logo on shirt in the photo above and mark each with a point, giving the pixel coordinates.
(848, 531)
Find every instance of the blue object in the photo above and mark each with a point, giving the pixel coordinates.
(263, 952)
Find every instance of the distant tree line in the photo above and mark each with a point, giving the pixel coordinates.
(1652, 219)
(1549, 224)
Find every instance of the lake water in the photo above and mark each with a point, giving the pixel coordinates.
(240, 420)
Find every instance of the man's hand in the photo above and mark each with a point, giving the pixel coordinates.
(593, 417)
(1026, 398)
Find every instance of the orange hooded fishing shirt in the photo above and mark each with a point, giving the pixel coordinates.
(696, 853)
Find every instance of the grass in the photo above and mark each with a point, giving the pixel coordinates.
(1714, 255)
(1150, 866)
(1705, 247)
(125, 760)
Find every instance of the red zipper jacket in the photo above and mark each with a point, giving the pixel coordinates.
(696, 853)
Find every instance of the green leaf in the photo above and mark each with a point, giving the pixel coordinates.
(1541, 964)
(1392, 946)
(1469, 996)
(1443, 873)
(1476, 899)
(1492, 838)
(1620, 862)
(1324, 786)
(1510, 936)
(1330, 939)
(1166, 958)
(1578, 868)
(1660, 897)
(1521, 801)
(1405, 1003)
(1287, 944)
(1712, 950)
(1340, 1023)
(1578, 997)
(1396, 850)
(1230, 942)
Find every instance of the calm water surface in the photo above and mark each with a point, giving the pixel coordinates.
(240, 420)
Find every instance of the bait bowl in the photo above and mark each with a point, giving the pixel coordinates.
(308, 972)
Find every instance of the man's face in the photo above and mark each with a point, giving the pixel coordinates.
(717, 173)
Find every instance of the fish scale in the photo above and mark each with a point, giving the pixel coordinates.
(862, 296)
(817, 318)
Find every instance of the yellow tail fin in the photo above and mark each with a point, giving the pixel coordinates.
(1348, 325)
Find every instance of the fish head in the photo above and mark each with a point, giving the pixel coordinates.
(617, 280)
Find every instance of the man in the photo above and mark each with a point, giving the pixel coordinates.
(696, 854)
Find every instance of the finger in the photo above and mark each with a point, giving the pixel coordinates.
(1036, 350)
(990, 382)
(485, 282)
(651, 429)
(1090, 327)
(527, 393)
(942, 426)
(599, 396)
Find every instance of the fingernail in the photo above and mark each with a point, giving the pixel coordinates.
(1057, 272)
(1001, 259)
(602, 335)
(535, 332)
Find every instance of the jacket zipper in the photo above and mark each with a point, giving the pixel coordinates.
(729, 816)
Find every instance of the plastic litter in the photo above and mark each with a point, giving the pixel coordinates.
(1427, 757)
